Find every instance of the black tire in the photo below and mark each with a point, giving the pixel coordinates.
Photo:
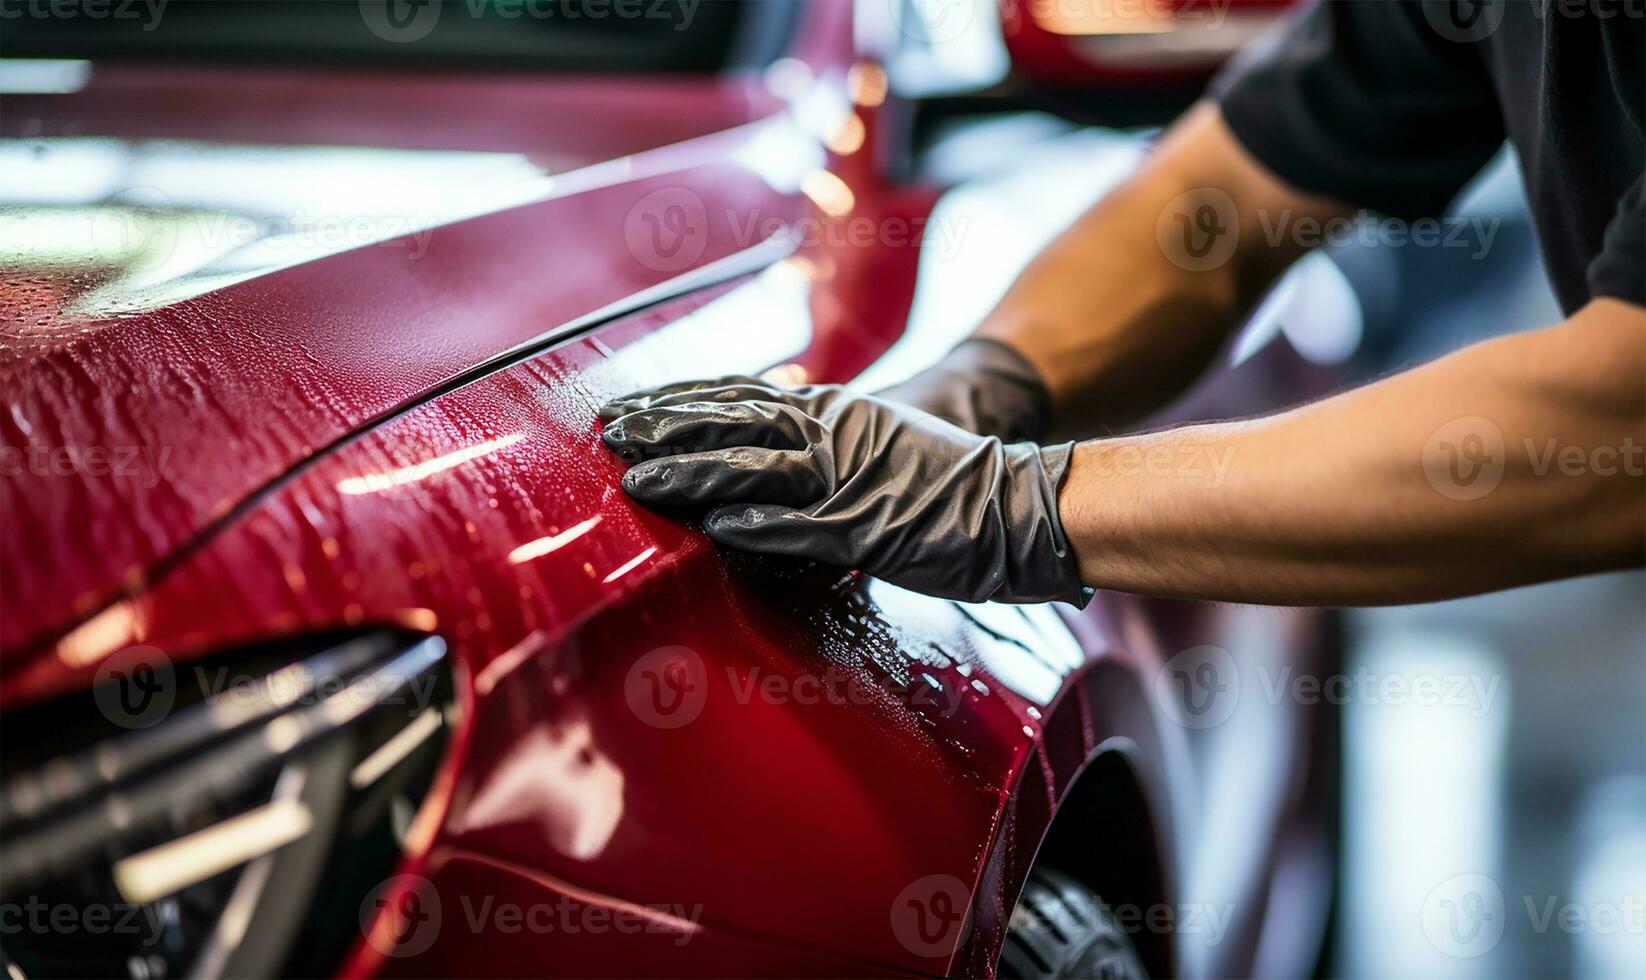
(1060, 928)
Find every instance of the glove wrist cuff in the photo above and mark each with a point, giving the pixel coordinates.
(1040, 561)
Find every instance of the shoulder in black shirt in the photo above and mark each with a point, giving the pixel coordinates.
(1394, 104)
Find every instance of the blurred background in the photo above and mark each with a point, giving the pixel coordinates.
(1502, 833)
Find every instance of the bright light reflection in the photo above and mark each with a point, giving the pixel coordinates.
(1423, 808)
(552, 543)
(189, 217)
(43, 76)
(866, 84)
(629, 565)
(781, 154)
(848, 139)
(1005, 220)
(788, 78)
(99, 636)
(829, 193)
(176, 864)
(715, 339)
(821, 110)
(557, 778)
(1316, 308)
(507, 662)
(1149, 17)
(378, 482)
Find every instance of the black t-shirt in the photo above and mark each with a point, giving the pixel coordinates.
(1394, 104)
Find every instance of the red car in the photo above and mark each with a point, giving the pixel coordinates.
(330, 644)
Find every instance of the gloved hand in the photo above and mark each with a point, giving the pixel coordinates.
(823, 473)
(983, 386)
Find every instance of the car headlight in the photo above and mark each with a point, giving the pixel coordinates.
(196, 843)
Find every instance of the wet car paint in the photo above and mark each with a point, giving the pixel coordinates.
(286, 363)
(427, 470)
(558, 594)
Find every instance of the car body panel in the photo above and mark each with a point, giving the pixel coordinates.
(288, 360)
(558, 595)
(366, 438)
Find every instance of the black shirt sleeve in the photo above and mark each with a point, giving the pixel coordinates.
(1365, 101)
(1619, 271)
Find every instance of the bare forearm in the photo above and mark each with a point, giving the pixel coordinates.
(1513, 461)
(1122, 311)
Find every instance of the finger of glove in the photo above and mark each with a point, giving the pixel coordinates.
(945, 400)
(745, 474)
(735, 388)
(647, 397)
(770, 529)
(703, 426)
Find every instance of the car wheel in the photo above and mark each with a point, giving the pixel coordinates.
(1060, 928)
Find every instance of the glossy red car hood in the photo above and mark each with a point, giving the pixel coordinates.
(208, 277)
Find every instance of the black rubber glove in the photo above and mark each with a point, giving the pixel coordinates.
(824, 473)
(983, 386)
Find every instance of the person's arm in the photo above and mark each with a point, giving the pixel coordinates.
(1516, 460)
(1352, 103)
(1513, 461)
(1131, 303)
